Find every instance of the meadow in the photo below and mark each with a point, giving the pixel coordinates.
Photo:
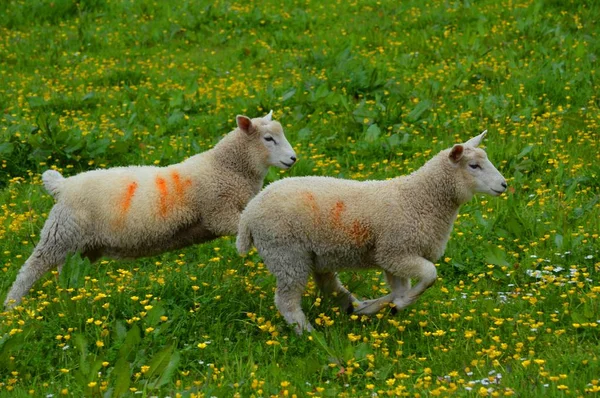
(365, 90)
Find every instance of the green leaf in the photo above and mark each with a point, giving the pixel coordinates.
(495, 255)
(121, 374)
(558, 241)
(287, 95)
(373, 133)
(153, 316)
(525, 151)
(318, 337)
(588, 310)
(84, 364)
(419, 109)
(362, 350)
(175, 118)
(89, 96)
(303, 133)
(160, 361)
(132, 339)
(169, 371)
(74, 271)
(578, 318)
(36, 102)
(393, 140)
(96, 147)
(6, 148)
(120, 331)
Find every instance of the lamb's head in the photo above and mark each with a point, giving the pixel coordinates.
(267, 135)
(476, 174)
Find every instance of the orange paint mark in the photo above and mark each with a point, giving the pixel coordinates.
(161, 184)
(336, 214)
(169, 199)
(180, 186)
(359, 233)
(309, 199)
(125, 204)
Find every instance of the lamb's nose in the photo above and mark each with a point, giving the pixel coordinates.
(293, 158)
(504, 185)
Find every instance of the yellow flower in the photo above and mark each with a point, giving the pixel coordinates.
(99, 343)
(202, 345)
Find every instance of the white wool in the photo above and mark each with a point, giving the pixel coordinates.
(321, 225)
(129, 212)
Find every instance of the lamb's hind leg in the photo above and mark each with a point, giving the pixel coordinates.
(292, 269)
(372, 306)
(58, 238)
(329, 283)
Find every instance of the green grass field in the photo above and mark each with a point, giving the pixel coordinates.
(365, 90)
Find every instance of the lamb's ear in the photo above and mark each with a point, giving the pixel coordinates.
(456, 153)
(244, 123)
(476, 141)
(269, 117)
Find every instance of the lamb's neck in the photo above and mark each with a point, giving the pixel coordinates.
(234, 154)
(434, 186)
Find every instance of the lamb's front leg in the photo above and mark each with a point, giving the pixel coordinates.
(398, 276)
(412, 267)
(398, 285)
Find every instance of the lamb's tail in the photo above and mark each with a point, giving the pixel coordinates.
(243, 241)
(52, 180)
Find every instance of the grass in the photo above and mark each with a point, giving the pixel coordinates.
(365, 90)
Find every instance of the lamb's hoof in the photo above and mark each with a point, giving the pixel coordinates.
(301, 329)
(350, 309)
(394, 310)
(10, 304)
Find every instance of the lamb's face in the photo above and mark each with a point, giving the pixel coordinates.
(277, 149)
(476, 171)
(486, 178)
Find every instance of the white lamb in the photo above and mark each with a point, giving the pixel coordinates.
(321, 225)
(130, 212)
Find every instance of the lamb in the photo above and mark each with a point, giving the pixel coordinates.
(322, 225)
(130, 212)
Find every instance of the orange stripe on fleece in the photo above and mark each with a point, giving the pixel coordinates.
(163, 192)
(357, 231)
(180, 186)
(126, 203)
(336, 214)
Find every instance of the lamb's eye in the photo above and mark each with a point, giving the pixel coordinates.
(270, 139)
(474, 166)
